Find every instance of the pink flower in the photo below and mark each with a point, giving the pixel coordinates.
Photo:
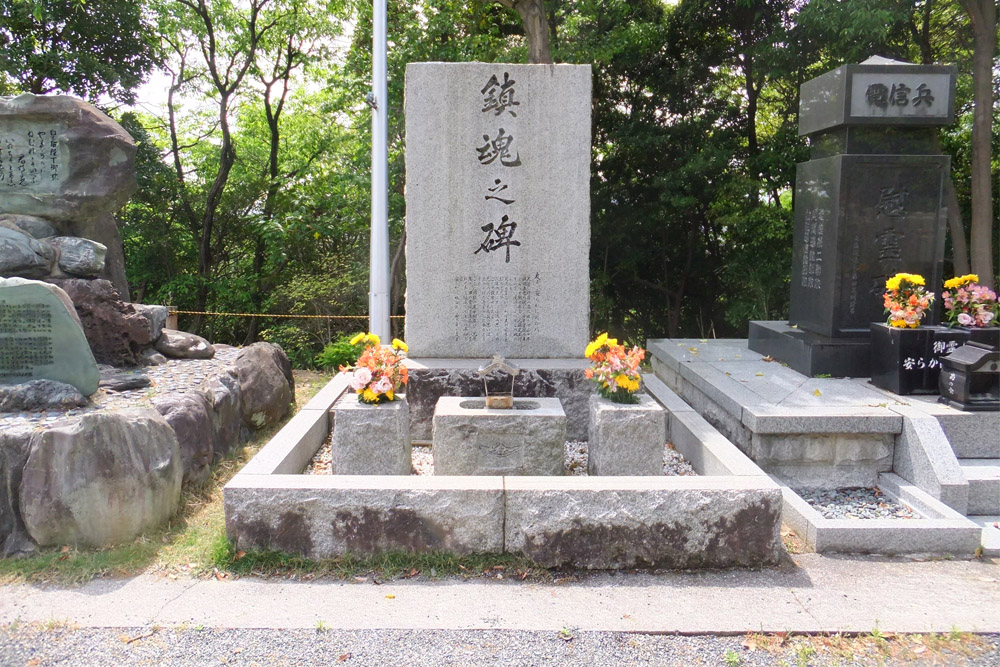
(383, 386)
(965, 319)
(985, 317)
(360, 378)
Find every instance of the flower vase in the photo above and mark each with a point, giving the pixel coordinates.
(901, 357)
(626, 438)
(370, 439)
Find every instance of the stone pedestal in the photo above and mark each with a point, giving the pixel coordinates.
(470, 439)
(626, 439)
(811, 353)
(370, 439)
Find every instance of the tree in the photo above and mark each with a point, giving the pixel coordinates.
(536, 27)
(84, 48)
(983, 14)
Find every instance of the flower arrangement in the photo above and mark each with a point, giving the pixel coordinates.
(379, 372)
(615, 371)
(906, 301)
(968, 303)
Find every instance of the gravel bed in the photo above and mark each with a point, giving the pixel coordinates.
(36, 644)
(175, 376)
(575, 460)
(856, 503)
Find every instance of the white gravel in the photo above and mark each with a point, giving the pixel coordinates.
(856, 503)
(575, 453)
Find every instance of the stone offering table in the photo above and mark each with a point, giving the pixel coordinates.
(471, 439)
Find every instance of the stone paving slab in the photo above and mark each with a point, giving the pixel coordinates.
(811, 593)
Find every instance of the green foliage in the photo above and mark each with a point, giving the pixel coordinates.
(85, 48)
(339, 353)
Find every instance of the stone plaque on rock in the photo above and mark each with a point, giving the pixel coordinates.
(62, 159)
(41, 337)
(497, 209)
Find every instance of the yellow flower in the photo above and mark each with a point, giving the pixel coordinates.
(357, 339)
(626, 383)
(611, 342)
(596, 344)
(893, 283)
(390, 395)
(373, 339)
(399, 345)
(369, 395)
(960, 281)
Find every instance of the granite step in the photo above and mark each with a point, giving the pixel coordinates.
(983, 476)
(991, 533)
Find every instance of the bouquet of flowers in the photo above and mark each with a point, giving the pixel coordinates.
(968, 303)
(906, 300)
(615, 371)
(379, 372)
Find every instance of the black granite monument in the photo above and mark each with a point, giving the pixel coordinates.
(868, 204)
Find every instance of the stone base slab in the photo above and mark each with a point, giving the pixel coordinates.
(810, 353)
(430, 379)
(942, 530)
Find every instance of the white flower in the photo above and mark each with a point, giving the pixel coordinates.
(985, 317)
(965, 319)
(360, 378)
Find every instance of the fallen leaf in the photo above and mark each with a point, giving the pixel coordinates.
(361, 580)
(240, 554)
(767, 358)
(498, 567)
(390, 596)
(64, 549)
(817, 392)
(760, 375)
(693, 350)
(702, 340)
(344, 657)
(237, 650)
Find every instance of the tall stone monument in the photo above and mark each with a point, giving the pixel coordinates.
(868, 204)
(497, 210)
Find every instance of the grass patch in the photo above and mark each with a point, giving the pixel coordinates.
(876, 648)
(192, 542)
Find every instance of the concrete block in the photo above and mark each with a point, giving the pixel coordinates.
(472, 440)
(707, 450)
(855, 419)
(626, 439)
(656, 522)
(371, 439)
(288, 452)
(522, 287)
(824, 461)
(922, 455)
(326, 516)
(664, 394)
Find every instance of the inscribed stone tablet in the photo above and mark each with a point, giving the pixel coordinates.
(41, 337)
(497, 209)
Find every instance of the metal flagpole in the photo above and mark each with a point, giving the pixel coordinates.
(378, 286)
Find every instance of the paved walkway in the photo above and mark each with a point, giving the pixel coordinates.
(815, 593)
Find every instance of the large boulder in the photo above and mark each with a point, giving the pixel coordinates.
(116, 332)
(101, 479)
(21, 255)
(183, 345)
(79, 256)
(73, 162)
(32, 225)
(189, 414)
(14, 446)
(226, 401)
(40, 395)
(265, 381)
(41, 337)
(157, 316)
(104, 230)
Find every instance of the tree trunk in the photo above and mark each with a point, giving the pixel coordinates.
(536, 28)
(983, 14)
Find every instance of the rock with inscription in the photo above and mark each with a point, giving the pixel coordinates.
(65, 159)
(190, 415)
(183, 345)
(116, 332)
(41, 337)
(14, 446)
(21, 255)
(100, 479)
(157, 316)
(265, 388)
(32, 225)
(497, 209)
(40, 395)
(79, 256)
